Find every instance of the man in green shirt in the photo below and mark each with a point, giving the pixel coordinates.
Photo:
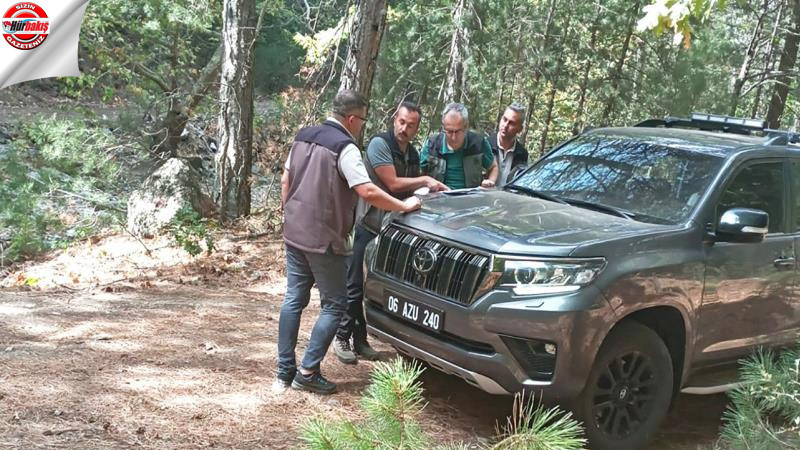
(457, 156)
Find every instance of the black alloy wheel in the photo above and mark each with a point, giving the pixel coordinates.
(629, 389)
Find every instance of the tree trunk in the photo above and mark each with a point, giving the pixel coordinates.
(455, 84)
(768, 63)
(537, 74)
(616, 75)
(748, 59)
(365, 42)
(554, 87)
(788, 58)
(234, 159)
(578, 125)
(180, 109)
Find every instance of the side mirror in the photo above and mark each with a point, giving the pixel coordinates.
(743, 225)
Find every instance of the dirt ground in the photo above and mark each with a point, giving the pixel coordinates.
(103, 346)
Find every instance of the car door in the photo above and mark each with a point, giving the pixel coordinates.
(794, 227)
(748, 292)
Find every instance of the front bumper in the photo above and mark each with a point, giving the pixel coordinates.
(471, 344)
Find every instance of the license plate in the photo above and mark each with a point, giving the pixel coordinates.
(422, 315)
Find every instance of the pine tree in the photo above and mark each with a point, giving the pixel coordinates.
(393, 403)
(765, 413)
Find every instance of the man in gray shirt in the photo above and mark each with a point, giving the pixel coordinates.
(392, 163)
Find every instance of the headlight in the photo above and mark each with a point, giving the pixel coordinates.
(531, 277)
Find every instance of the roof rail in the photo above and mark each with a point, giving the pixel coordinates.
(709, 122)
(781, 137)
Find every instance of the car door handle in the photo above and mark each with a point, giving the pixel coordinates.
(784, 263)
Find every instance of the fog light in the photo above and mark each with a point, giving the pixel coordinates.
(550, 349)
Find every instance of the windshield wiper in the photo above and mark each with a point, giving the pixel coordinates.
(602, 208)
(535, 193)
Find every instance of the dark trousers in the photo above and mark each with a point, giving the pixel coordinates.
(353, 322)
(302, 270)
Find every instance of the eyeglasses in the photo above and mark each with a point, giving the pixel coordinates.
(453, 132)
(363, 119)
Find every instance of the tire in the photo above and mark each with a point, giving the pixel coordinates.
(629, 389)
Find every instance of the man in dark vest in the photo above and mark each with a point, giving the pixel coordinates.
(510, 153)
(392, 163)
(458, 156)
(322, 181)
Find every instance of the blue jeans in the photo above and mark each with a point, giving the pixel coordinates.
(302, 270)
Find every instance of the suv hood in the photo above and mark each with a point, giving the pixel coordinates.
(505, 222)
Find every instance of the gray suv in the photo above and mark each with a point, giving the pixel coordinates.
(624, 266)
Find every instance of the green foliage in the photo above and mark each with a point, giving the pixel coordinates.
(50, 167)
(394, 401)
(534, 427)
(189, 230)
(69, 147)
(765, 413)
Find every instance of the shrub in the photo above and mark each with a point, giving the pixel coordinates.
(188, 230)
(56, 166)
(765, 413)
(393, 403)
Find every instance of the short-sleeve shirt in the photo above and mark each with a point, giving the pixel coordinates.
(454, 176)
(380, 154)
(351, 166)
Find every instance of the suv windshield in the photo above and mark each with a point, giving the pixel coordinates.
(647, 181)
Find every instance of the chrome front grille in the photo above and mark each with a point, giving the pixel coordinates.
(456, 274)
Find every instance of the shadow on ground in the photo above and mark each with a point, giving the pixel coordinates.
(191, 367)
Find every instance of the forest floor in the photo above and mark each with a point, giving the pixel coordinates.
(104, 346)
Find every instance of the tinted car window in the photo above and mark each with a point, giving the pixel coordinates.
(657, 183)
(757, 186)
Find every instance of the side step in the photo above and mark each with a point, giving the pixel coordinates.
(713, 381)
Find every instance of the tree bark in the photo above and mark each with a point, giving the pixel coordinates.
(578, 125)
(770, 61)
(617, 73)
(234, 159)
(554, 87)
(456, 83)
(365, 42)
(537, 75)
(788, 58)
(748, 60)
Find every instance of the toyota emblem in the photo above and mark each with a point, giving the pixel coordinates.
(423, 261)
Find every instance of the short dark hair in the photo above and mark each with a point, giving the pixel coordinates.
(411, 107)
(348, 101)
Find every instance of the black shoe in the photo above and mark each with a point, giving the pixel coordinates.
(315, 383)
(284, 378)
(363, 350)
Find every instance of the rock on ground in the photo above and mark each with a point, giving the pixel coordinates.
(171, 187)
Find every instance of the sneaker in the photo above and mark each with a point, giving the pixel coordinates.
(284, 378)
(314, 382)
(363, 350)
(342, 350)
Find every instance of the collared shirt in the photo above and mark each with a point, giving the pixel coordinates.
(504, 165)
(351, 166)
(455, 177)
